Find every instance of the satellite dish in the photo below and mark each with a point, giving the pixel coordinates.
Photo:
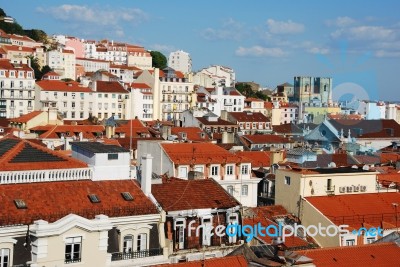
(332, 165)
(365, 168)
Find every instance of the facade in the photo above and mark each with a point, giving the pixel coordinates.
(102, 223)
(205, 160)
(17, 84)
(334, 196)
(142, 101)
(180, 61)
(62, 61)
(92, 65)
(220, 75)
(249, 122)
(312, 90)
(138, 57)
(72, 100)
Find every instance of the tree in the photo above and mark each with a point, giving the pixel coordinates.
(159, 60)
(37, 35)
(45, 70)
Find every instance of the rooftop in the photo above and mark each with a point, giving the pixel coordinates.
(357, 210)
(97, 147)
(51, 201)
(228, 261)
(384, 254)
(178, 194)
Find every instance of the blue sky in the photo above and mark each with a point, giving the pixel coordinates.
(269, 42)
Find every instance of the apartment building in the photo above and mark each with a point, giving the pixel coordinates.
(204, 160)
(73, 101)
(17, 89)
(62, 61)
(180, 61)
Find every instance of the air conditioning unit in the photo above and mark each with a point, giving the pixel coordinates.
(342, 189)
(349, 189)
(363, 188)
(356, 188)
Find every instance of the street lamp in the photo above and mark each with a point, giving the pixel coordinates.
(395, 205)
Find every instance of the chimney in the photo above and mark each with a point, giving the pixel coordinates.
(145, 179)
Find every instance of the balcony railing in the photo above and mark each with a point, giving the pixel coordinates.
(118, 256)
(72, 260)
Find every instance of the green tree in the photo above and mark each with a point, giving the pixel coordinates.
(159, 60)
(37, 35)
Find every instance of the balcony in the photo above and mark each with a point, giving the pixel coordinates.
(330, 190)
(118, 256)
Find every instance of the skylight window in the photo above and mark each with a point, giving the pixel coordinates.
(127, 196)
(94, 198)
(20, 204)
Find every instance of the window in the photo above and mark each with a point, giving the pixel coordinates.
(128, 244)
(81, 115)
(65, 93)
(73, 114)
(370, 240)
(141, 242)
(4, 257)
(73, 249)
(245, 169)
(180, 232)
(100, 95)
(73, 95)
(113, 95)
(230, 189)
(287, 180)
(229, 170)
(105, 95)
(350, 242)
(214, 170)
(65, 104)
(72, 104)
(245, 190)
(112, 156)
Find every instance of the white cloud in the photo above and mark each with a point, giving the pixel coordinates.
(384, 53)
(341, 22)
(318, 50)
(95, 15)
(365, 33)
(284, 27)
(259, 51)
(162, 48)
(230, 30)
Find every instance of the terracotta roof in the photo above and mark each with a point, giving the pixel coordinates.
(192, 133)
(17, 48)
(5, 64)
(19, 154)
(228, 261)
(266, 139)
(257, 158)
(323, 160)
(199, 153)
(55, 131)
(140, 86)
(51, 73)
(25, 118)
(110, 87)
(249, 116)
(178, 194)
(61, 86)
(125, 67)
(288, 128)
(252, 99)
(51, 201)
(389, 157)
(338, 116)
(265, 216)
(356, 209)
(268, 105)
(380, 254)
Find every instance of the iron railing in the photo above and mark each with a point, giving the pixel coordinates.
(118, 256)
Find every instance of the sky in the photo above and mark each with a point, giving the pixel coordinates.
(357, 43)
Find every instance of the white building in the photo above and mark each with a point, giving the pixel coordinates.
(71, 99)
(180, 61)
(207, 160)
(142, 101)
(62, 61)
(220, 75)
(226, 98)
(92, 65)
(17, 89)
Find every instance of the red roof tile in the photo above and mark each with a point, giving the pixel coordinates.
(356, 209)
(140, 86)
(61, 86)
(110, 87)
(228, 261)
(27, 117)
(8, 163)
(265, 216)
(51, 201)
(380, 254)
(178, 194)
(55, 131)
(199, 153)
(192, 133)
(249, 116)
(257, 158)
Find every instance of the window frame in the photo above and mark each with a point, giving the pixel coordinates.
(70, 241)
